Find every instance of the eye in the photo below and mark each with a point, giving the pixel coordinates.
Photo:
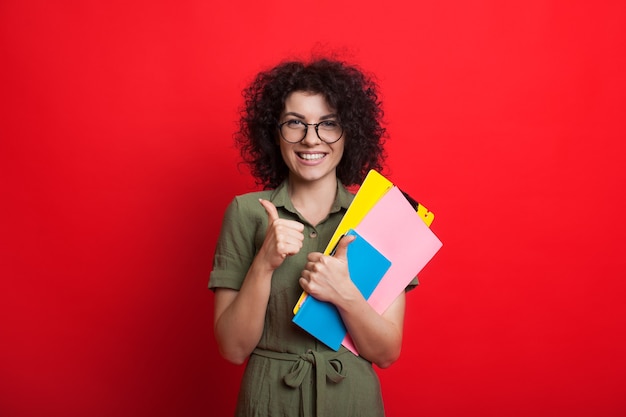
(329, 125)
(294, 124)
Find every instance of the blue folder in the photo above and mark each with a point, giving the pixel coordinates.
(366, 266)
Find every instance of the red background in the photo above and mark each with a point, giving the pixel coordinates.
(505, 118)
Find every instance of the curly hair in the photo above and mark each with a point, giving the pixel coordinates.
(350, 92)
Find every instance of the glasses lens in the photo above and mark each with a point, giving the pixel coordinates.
(329, 131)
(293, 131)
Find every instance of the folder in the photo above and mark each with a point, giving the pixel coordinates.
(322, 320)
(393, 228)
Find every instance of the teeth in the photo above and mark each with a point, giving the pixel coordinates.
(311, 156)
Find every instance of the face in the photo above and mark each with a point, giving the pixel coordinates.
(311, 160)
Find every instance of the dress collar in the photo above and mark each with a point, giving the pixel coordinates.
(280, 198)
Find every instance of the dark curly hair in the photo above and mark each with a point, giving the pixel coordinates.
(351, 93)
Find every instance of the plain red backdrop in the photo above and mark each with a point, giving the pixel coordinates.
(507, 119)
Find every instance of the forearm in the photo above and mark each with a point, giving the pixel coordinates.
(378, 338)
(240, 315)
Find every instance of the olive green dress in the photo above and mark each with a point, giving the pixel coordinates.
(291, 373)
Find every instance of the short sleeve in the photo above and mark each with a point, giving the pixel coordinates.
(235, 248)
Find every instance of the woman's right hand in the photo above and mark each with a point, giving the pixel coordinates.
(283, 237)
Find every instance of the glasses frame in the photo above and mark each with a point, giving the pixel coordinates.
(306, 131)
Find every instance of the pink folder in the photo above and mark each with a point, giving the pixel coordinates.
(394, 228)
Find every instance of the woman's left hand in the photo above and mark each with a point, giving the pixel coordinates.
(327, 277)
(377, 337)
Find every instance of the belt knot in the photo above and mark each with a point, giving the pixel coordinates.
(327, 365)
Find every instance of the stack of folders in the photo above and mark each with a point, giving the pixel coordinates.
(393, 243)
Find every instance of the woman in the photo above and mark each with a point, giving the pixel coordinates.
(307, 131)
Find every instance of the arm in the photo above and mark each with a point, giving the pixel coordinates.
(377, 337)
(240, 315)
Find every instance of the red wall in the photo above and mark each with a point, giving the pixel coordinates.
(505, 118)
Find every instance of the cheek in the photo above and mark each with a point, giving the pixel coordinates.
(339, 151)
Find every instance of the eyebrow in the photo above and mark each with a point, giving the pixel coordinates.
(299, 116)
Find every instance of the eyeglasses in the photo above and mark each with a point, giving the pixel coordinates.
(294, 131)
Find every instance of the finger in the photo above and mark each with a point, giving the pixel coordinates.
(285, 249)
(270, 209)
(305, 275)
(314, 256)
(342, 247)
(272, 216)
(304, 284)
(290, 228)
(307, 285)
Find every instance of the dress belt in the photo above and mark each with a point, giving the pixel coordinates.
(327, 365)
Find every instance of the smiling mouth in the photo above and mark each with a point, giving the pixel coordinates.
(311, 156)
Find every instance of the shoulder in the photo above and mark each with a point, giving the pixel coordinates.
(246, 207)
(252, 199)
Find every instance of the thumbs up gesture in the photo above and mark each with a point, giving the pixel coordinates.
(327, 277)
(283, 237)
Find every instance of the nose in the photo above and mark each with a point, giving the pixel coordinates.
(311, 137)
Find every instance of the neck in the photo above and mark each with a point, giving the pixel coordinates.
(313, 200)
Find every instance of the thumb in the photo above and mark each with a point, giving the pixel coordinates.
(341, 252)
(270, 209)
